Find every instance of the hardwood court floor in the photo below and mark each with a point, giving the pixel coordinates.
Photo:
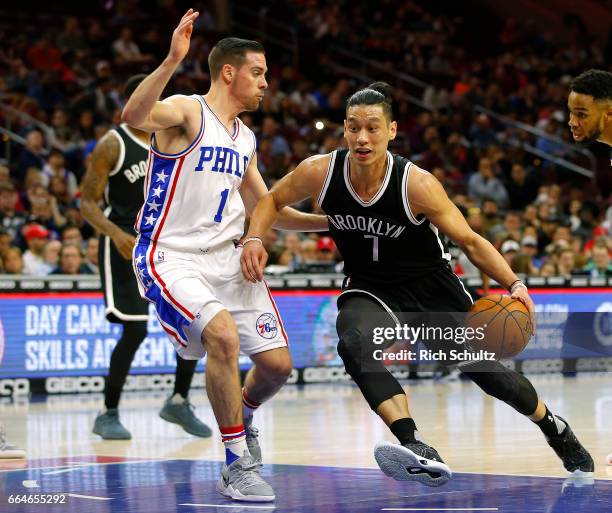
(324, 426)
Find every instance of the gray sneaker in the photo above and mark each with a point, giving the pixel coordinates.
(108, 426)
(180, 411)
(8, 450)
(251, 440)
(241, 481)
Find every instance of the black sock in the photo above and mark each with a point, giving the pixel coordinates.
(403, 430)
(121, 360)
(183, 376)
(551, 425)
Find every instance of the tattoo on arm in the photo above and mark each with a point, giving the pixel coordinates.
(102, 161)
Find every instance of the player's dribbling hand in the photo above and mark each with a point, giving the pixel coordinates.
(125, 244)
(253, 261)
(522, 294)
(181, 36)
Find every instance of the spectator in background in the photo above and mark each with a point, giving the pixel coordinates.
(600, 264)
(31, 155)
(51, 255)
(292, 254)
(566, 262)
(72, 235)
(91, 255)
(13, 263)
(5, 242)
(71, 260)
(509, 250)
(522, 188)
(62, 134)
(484, 185)
(10, 220)
(126, 50)
(481, 133)
(71, 39)
(529, 247)
(36, 237)
(44, 210)
(55, 167)
(326, 250)
(509, 229)
(521, 264)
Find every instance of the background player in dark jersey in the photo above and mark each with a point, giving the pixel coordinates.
(384, 215)
(590, 107)
(116, 171)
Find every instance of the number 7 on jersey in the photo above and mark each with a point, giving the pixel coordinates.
(375, 246)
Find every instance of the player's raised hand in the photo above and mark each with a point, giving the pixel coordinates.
(181, 36)
(253, 260)
(521, 293)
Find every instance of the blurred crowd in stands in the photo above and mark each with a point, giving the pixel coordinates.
(67, 73)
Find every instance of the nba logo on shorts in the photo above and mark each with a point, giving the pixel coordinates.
(266, 325)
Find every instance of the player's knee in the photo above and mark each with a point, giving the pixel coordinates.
(280, 369)
(223, 345)
(349, 346)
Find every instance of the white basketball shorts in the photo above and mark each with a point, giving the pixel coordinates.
(189, 289)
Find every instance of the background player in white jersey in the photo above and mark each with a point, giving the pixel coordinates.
(202, 174)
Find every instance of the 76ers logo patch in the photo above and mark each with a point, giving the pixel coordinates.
(267, 325)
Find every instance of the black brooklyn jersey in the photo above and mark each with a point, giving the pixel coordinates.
(381, 241)
(124, 192)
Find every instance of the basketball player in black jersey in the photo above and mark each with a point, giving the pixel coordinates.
(116, 172)
(384, 215)
(590, 107)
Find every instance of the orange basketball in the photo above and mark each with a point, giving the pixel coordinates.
(504, 322)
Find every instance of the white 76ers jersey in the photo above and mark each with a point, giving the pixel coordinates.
(192, 202)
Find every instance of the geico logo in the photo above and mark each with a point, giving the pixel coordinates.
(14, 386)
(320, 374)
(74, 384)
(293, 377)
(149, 382)
(594, 364)
(399, 373)
(544, 365)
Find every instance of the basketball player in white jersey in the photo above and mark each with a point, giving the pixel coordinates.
(202, 173)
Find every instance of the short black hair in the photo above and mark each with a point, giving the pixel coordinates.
(378, 93)
(131, 84)
(231, 50)
(594, 82)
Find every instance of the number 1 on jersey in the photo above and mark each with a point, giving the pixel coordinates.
(219, 214)
(375, 248)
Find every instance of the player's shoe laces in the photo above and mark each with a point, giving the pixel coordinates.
(573, 455)
(241, 481)
(180, 411)
(108, 426)
(8, 450)
(252, 441)
(414, 461)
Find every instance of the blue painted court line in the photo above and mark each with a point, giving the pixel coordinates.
(178, 486)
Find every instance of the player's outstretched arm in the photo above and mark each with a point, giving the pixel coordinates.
(144, 110)
(253, 188)
(428, 197)
(102, 161)
(305, 181)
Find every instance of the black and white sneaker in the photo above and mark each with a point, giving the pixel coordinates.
(575, 457)
(412, 462)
